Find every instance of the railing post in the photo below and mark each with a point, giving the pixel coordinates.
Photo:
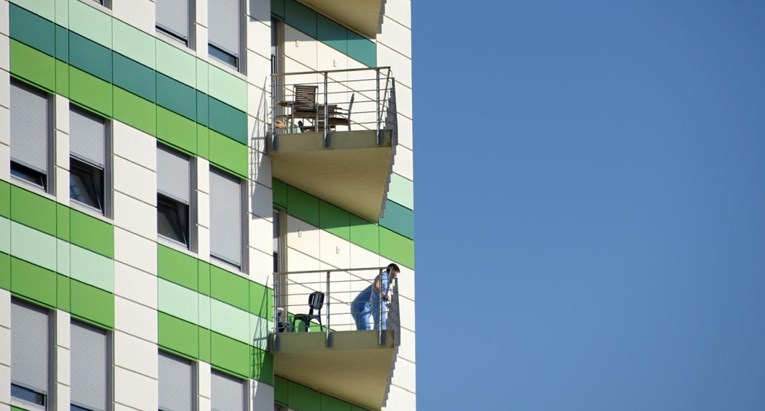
(329, 317)
(379, 107)
(277, 300)
(274, 137)
(326, 112)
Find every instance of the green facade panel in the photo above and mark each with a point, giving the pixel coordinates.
(399, 219)
(92, 304)
(303, 398)
(135, 111)
(64, 293)
(228, 154)
(134, 44)
(177, 267)
(279, 193)
(396, 247)
(32, 30)
(261, 301)
(176, 130)
(177, 335)
(33, 210)
(90, 57)
(401, 190)
(91, 233)
(62, 222)
(227, 120)
(365, 234)
(303, 206)
(91, 92)
(89, 22)
(176, 97)
(229, 288)
(5, 271)
(139, 79)
(33, 66)
(230, 355)
(33, 282)
(335, 220)
(5, 199)
(44, 8)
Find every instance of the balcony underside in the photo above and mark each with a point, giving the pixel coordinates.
(355, 369)
(362, 16)
(353, 173)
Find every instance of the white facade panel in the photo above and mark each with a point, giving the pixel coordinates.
(135, 251)
(303, 237)
(135, 354)
(400, 399)
(396, 36)
(135, 319)
(134, 180)
(399, 64)
(403, 163)
(137, 13)
(135, 390)
(334, 250)
(136, 216)
(135, 285)
(134, 145)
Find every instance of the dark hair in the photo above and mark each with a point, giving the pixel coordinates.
(393, 267)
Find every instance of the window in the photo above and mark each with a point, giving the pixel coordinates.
(173, 195)
(225, 217)
(224, 28)
(173, 19)
(227, 393)
(87, 143)
(89, 367)
(30, 131)
(30, 346)
(175, 382)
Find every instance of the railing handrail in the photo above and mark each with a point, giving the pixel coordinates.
(300, 73)
(329, 270)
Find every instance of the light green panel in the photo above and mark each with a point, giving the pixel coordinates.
(90, 23)
(177, 301)
(62, 13)
(92, 268)
(202, 70)
(230, 321)
(5, 235)
(133, 43)
(259, 328)
(63, 260)
(204, 310)
(228, 154)
(401, 190)
(227, 88)
(44, 8)
(176, 63)
(33, 246)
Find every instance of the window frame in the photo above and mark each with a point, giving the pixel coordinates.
(170, 202)
(243, 226)
(193, 389)
(218, 54)
(19, 170)
(108, 350)
(49, 330)
(176, 39)
(86, 166)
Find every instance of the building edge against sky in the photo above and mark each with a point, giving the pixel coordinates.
(143, 116)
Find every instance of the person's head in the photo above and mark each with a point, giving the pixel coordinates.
(393, 269)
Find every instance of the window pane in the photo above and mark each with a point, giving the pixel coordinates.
(225, 217)
(29, 128)
(173, 219)
(88, 367)
(29, 346)
(86, 184)
(175, 382)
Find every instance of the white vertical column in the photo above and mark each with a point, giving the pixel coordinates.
(61, 148)
(62, 358)
(200, 28)
(204, 386)
(5, 94)
(202, 201)
(135, 254)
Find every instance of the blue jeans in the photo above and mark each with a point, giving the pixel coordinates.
(361, 310)
(380, 311)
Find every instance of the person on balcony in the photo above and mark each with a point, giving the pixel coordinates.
(380, 300)
(367, 303)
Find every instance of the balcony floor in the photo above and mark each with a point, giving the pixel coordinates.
(355, 369)
(353, 173)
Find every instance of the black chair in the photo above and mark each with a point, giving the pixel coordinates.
(315, 302)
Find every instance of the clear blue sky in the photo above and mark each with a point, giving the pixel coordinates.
(590, 204)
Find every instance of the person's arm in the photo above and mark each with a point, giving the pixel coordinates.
(381, 283)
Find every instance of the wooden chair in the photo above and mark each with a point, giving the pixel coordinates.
(340, 116)
(305, 102)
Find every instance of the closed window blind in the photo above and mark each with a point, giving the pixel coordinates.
(225, 217)
(227, 393)
(173, 16)
(29, 347)
(87, 137)
(29, 127)
(89, 367)
(223, 25)
(175, 382)
(173, 174)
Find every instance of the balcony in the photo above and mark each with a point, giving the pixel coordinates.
(326, 352)
(333, 134)
(363, 16)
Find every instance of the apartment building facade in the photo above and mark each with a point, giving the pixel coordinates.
(177, 177)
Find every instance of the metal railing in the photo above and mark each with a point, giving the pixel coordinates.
(340, 288)
(332, 100)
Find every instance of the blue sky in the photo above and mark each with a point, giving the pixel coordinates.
(590, 204)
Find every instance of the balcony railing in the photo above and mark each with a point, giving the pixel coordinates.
(294, 292)
(333, 100)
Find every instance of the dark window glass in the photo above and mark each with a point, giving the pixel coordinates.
(223, 56)
(86, 184)
(28, 395)
(27, 174)
(173, 219)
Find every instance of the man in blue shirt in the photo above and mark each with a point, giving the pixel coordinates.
(367, 303)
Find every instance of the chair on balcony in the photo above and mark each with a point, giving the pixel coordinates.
(304, 105)
(341, 116)
(315, 302)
